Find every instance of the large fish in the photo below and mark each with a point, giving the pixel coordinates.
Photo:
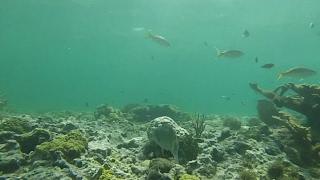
(297, 72)
(158, 39)
(229, 53)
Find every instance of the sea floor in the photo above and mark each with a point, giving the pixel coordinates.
(114, 144)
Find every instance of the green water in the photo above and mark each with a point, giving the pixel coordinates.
(60, 54)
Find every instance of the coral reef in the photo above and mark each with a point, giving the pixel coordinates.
(116, 146)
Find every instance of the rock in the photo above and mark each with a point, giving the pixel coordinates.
(163, 165)
(241, 147)
(156, 175)
(69, 126)
(207, 170)
(15, 124)
(225, 133)
(217, 154)
(168, 135)
(232, 123)
(192, 165)
(47, 172)
(254, 122)
(29, 141)
(138, 170)
(107, 112)
(104, 152)
(9, 165)
(272, 150)
(276, 170)
(11, 157)
(7, 135)
(293, 155)
(188, 177)
(72, 145)
(132, 143)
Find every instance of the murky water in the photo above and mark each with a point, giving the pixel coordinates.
(64, 54)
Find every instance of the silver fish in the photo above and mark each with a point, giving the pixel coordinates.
(297, 72)
(158, 39)
(229, 53)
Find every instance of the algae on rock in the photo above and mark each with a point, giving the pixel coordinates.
(15, 124)
(71, 145)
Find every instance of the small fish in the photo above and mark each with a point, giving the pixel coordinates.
(311, 25)
(158, 39)
(245, 34)
(229, 53)
(227, 98)
(256, 59)
(297, 72)
(138, 29)
(267, 66)
(205, 43)
(86, 104)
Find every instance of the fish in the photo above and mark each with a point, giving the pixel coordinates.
(138, 29)
(256, 59)
(227, 98)
(297, 72)
(229, 53)
(267, 66)
(311, 25)
(245, 34)
(158, 39)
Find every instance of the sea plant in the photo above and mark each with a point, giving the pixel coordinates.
(199, 125)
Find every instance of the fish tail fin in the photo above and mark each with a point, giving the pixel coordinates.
(219, 52)
(280, 76)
